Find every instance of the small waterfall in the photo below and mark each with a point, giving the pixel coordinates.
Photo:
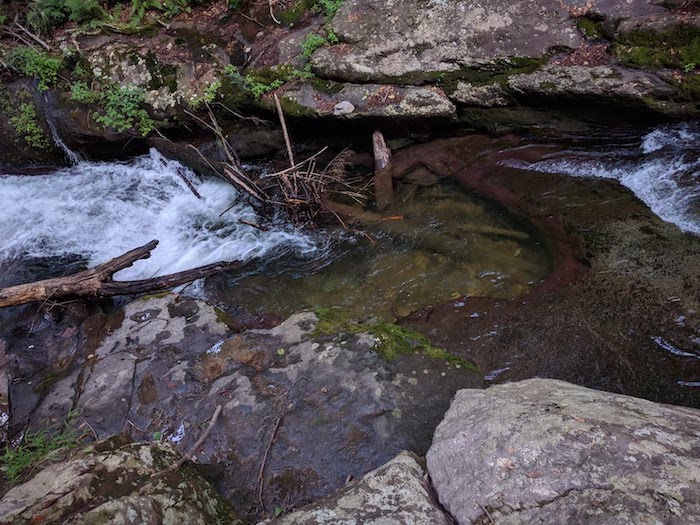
(73, 157)
(98, 210)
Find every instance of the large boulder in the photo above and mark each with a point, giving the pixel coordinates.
(110, 482)
(395, 493)
(385, 41)
(546, 451)
(305, 404)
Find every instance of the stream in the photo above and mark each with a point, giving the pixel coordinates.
(447, 244)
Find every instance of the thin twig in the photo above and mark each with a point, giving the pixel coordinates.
(191, 452)
(261, 481)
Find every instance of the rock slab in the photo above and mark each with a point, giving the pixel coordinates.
(395, 493)
(546, 451)
(108, 482)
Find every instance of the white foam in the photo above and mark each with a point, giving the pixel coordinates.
(664, 172)
(100, 210)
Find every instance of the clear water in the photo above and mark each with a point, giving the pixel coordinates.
(441, 245)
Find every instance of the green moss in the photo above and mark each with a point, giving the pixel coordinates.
(590, 28)
(294, 13)
(498, 71)
(678, 47)
(226, 319)
(293, 109)
(393, 340)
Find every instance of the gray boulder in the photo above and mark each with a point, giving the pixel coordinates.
(394, 494)
(546, 451)
(109, 482)
(383, 41)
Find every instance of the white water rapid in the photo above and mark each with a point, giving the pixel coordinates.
(99, 210)
(663, 170)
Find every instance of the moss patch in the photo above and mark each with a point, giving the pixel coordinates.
(590, 28)
(678, 47)
(392, 340)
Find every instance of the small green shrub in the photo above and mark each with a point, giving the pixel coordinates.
(313, 42)
(261, 82)
(123, 111)
(209, 94)
(121, 106)
(32, 63)
(27, 126)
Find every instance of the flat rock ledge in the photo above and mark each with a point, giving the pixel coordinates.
(395, 493)
(546, 451)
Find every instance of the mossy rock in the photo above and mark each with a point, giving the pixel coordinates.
(392, 340)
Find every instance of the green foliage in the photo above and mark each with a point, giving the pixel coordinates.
(121, 107)
(32, 63)
(46, 15)
(36, 448)
(27, 126)
(328, 7)
(313, 42)
(209, 94)
(123, 111)
(83, 10)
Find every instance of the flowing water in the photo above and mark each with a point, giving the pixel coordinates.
(445, 245)
(662, 169)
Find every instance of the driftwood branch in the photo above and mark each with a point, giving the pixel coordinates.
(97, 281)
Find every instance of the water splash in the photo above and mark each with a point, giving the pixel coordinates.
(663, 170)
(73, 157)
(100, 210)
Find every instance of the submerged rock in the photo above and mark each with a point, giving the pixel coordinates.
(397, 492)
(547, 451)
(109, 482)
(305, 409)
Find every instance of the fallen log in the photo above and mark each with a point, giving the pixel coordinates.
(97, 281)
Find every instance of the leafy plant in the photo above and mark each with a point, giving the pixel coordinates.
(123, 111)
(121, 106)
(35, 448)
(312, 42)
(27, 126)
(209, 94)
(33, 63)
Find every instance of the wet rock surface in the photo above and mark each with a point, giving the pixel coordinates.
(305, 410)
(550, 452)
(397, 492)
(108, 482)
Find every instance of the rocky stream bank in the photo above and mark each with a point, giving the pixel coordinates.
(545, 401)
